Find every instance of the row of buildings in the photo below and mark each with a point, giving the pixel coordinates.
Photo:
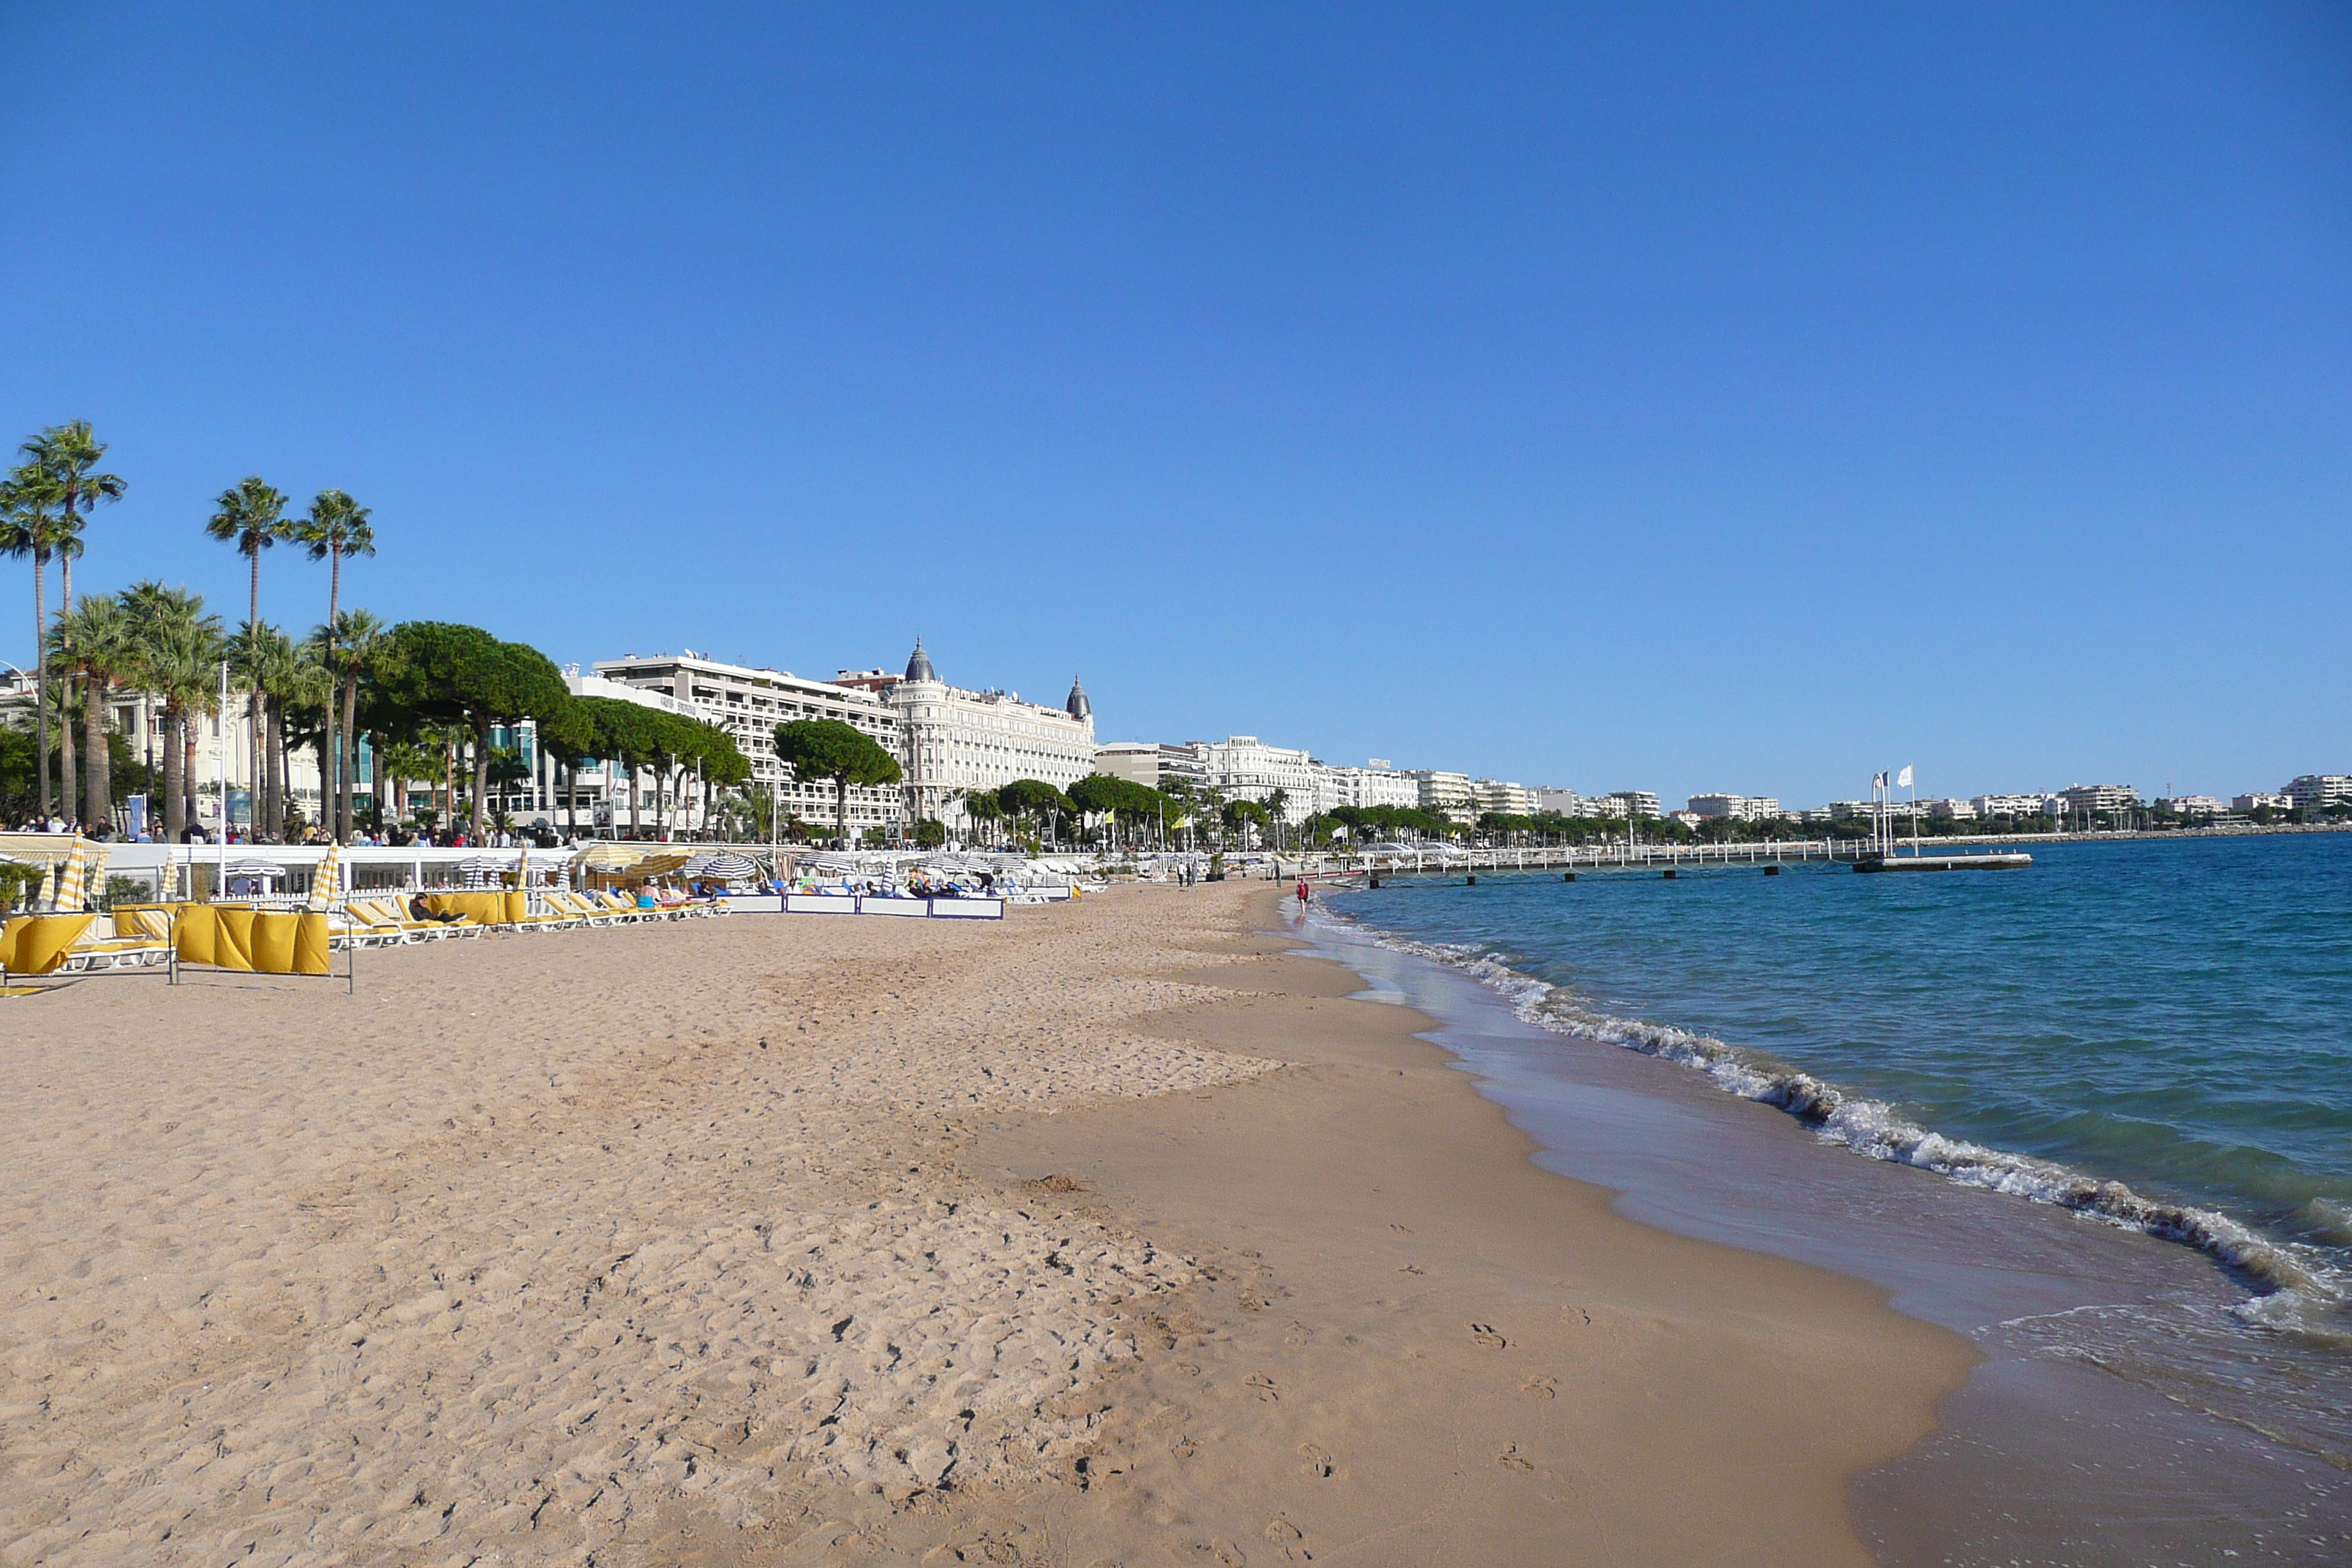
(951, 740)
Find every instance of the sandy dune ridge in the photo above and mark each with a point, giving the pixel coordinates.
(535, 1242)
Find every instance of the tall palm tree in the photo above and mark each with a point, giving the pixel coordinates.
(66, 457)
(252, 517)
(338, 526)
(175, 650)
(94, 642)
(183, 660)
(360, 637)
(28, 528)
(69, 455)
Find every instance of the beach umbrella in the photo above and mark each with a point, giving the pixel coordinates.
(327, 881)
(478, 868)
(70, 882)
(522, 868)
(95, 879)
(723, 867)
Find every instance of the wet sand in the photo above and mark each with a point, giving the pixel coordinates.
(1103, 1235)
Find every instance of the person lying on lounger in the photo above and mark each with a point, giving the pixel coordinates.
(419, 909)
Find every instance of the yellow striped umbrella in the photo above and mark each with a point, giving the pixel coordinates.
(70, 884)
(100, 855)
(48, 886)
(327, 881)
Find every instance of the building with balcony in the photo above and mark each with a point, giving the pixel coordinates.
(1736, 807)
(1446, 795)
(1504, 797)
(2317, 793)
(956, 740)
(748, 704)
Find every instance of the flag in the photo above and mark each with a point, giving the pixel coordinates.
(1878, 781)
(1903, 779)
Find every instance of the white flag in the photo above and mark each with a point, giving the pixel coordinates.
(1903, 779)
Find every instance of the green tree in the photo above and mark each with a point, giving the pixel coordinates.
(445, 673)
(178, 651)
(1033, 800)
(358, 641)
(94, 642)
(29, 527)
(336, 527)
(981, 808)
(930, 833)
(66, 456)
(843, 754)
(251, 518)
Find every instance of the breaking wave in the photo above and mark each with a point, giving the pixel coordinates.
(2296, 1290)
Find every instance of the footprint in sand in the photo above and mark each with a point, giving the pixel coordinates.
(1412, 1269)
(1484, 1334)
(1541, 1388)
(1509, 1458)
(1185, 1448)
(1264, 1387)
(1406, 1229)
(1289, 1540)
(1318, 1463)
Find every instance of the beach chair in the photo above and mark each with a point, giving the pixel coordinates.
(383, 915)
(626, 912)
(142, 938)
(582, 910)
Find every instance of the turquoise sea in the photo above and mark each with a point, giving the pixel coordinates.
(2158, 1033)
(2094, 1114)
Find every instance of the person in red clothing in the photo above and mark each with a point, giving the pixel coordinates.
(1302, 892)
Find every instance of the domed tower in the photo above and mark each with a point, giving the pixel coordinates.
(1078, 706)
(920, 666)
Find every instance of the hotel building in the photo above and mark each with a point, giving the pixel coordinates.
(952, 739)
(748, 704)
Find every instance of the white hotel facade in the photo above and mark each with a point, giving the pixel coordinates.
(952, 738)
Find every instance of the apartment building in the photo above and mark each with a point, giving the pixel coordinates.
(1504, 797)
(2318, 792)
(1445, 794)
(1636, 801)
(1736, 807)
(2100, 797)
(1377, 785)
(749, 703)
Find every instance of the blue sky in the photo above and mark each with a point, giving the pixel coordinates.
(1685, 397)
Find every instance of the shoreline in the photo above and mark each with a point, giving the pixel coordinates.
(1506, 1368)
(2076, 1439)
(1109, 1231)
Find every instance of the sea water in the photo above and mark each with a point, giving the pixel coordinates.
(2131, 1062)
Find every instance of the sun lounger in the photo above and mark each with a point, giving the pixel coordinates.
(383, 915)
(582, 910)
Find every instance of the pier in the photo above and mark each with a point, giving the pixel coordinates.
(1665, 858)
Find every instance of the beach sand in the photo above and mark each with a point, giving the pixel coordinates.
(1107, 1234)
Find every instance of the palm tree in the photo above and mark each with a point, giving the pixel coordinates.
(66, 457)
(294, 689)
(361, 636)
(94, 642)
(252, 517)
(175, 650)
(27, 528)
(338, 526)
(187, 672)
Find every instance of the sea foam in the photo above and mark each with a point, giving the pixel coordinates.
(2294, 1291)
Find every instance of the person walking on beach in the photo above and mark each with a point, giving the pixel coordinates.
(1302, 892)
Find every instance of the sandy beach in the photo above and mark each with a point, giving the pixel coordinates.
(1110, 1235)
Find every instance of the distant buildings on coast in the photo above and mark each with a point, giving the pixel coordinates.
(952, 739)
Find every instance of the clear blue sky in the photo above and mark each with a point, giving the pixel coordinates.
(1685, 397)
